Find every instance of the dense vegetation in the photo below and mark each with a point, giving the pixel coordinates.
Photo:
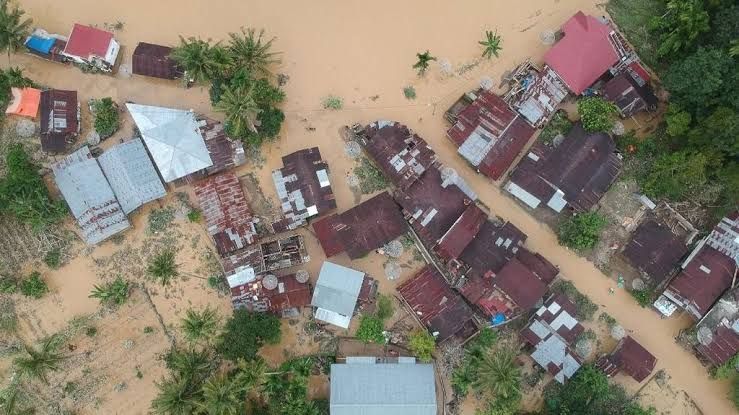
(582, 230)
(246, 332)
(372, 326)
(107, 118)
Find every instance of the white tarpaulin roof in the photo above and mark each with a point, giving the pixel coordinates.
(173, 139)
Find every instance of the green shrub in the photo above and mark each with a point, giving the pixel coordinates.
(726, 370)
(422, 344)
(607, 319)
(162, 267)
(735, 391)
(596, 114)
(194, 215)
(8, 285)
(384, 307)
(91, 331)
(643, 297)
(148, 330)
(107, 119)
(370, 177)
(585, 307)
(112, 293)
(34, 286)
(409, 92)
(246, 332)
(160, 219)
(333, 102)
(559, 124)
(581, 231)
(53, 258)
(370, 330)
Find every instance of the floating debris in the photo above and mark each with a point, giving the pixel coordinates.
(128, 344)
(618, 128)
(486, 83)
(352, 180)
(638, 284)
(584, 348)
(446, 67)
(93, 138)
(270, 282)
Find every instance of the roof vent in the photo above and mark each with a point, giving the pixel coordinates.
(302, 276)
(270, 282)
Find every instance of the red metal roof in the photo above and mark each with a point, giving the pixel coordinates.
(723, 346)
(85, 41)
(325, 230)
(584, 54)
(289, 294)
(438, 307)
(492, 248)
(632, 358)
(540, 266)
(153, 60)
(520, 284)
(462, 232)
(655, 250)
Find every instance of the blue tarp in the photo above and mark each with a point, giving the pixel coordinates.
(497, 319)
(40, 44)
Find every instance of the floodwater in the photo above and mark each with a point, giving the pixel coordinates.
(362, 51)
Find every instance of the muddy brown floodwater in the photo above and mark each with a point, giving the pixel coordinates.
(361, 51)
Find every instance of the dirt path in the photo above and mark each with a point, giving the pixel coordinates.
(362, 51)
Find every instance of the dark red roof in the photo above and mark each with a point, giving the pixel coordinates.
(363, 228)
(85, 41)
(59, 119)
(723, 346)
(520, 284)
(289, 294)
(655, 250)
(492, 248)
(632, 358)
(227, 214)
(584, 53)
(630, 97)
(153, 60)
(540, 266)
(401, 154)
(438, 307)
(498, 122)
(464, 230)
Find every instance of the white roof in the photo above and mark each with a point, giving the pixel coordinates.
(241, 277)
(173, 139)
(336, 293)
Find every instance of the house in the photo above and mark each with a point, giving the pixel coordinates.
(437, 306)
(268, 256)
(707, 272)
(91, 46)
(228, 217)
(361, 229)
(588, 49)
(24, 102)
(535, 92)
(551, 335)
(401, 154)
(303, 187)
(718, 331)
(655, 250)
(281, 295)
(154, 61)
(630, 93)
(629, 357)
(225, 152)
(131, 175)
(89, 196)
(46, 45)
(488, 134)
(336, 294)
(493, 246)
(576, 173)
(173, 139)
(363, 385)
(461, 233)
(60, 119)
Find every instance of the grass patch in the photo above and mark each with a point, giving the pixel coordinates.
(585, 308)
(559, 124)
(370, 177)
(332, 102)
(194, 215)
(53, 258)
(633, 18)
(409, 92)
(34, 286)
(607, 319)
(8, 318)
(160, 219)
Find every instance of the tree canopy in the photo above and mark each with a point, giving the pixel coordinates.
(246, 332)
(13, 27)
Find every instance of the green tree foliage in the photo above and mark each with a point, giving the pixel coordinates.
(241, 110)
(34, 286)
(13, 27)
(701, 80)
(719, 131)
(9, 78)
(176, 397)
(287, 390)
(181, 391)
(246, 332)
(162, 267)
(559, 124)
(107, 118)
(422, 344)
(464, 376)
(251, 53)
(581, 231)
(200, 325)
(724, 30)
(370, 330)
(684, 21)
(499, 378)
(384, 307)
(423, 62)
(678, 121)
(36, 363)
(728, 369)
(23, 193)
(676, 176)
(596, 114)
(734, 394)
(491, 44)
(222, 396)
(112, 293)
(200, 60)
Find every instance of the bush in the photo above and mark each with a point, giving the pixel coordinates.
(8, 285)
(676, 176)
(585, 307)
(53, 258)
(581, 231)
(726, 370)
(596, 114)
(370, 177)
(643, 297)
(107, 119)
(559, 124)
(409, 92)
(91, 331)
(194, 215)
(384, 307)
(34, 286)
(370, 330)
(112, 293)
(422, 344)
(735, 391)
(607, 319)
(162, 267)
(246, 332)
(333, 102)
(159, 219)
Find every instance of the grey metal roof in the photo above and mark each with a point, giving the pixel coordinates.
(383, 389)
(89, 196)
(173, 139)
(337, 288)
(131, 174)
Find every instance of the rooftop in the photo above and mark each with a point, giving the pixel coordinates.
(24, 102)
(225, 152)
(267, 256)
(536, 263)
(153, 60)
(59, 118)
(628, 95)
(256, 294)
(631, 358)
(86, 41)
(336, 293)
(520, 284)
(655, 250)
(461, 233)
(492, 248)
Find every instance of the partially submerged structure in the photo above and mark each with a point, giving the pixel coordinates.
(551, 336)
(336, 294)
(88, 45)
(437, 306)
(281, 295)
(303, 187)
(707, 273)
(576, 173)
(718, 331)
(154, 61)
(24, 102)
(60, 119)
(535, 92)
(361, 229)
(629, 357)
(488, 134)
(46, 45)
(363, 385)
(655, 251)
(89, 196)
(268, 256)
(630, 92)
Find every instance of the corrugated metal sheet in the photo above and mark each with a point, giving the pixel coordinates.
(383, 389)
(131, 174)
(153, 60)
(337, 289)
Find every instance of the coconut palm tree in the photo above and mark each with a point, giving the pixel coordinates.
(242, 111)
(423, 62)
(251, 53)
(252, 373)
(163, 267)
(190, 364)
(200, 60)
(222, 396)
(175, 397)
(38, 362)
(13, 28)
(491, 44)
(200, 325)
(498, 374)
